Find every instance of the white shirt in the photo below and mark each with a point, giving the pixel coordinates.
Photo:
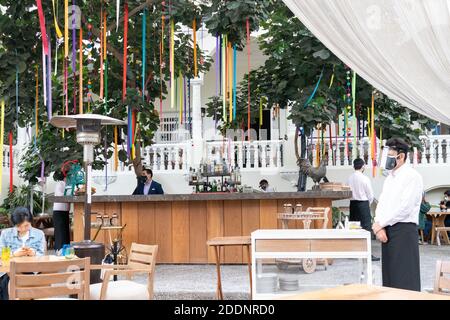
(361, 187)
(400, 198)
(59, 191)
(147, 186)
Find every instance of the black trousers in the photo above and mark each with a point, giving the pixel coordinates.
(4, 280)
(400, 261)
(61, 222)
(360, 211)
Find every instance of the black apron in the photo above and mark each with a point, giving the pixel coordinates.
(360, 211)
(400, 261)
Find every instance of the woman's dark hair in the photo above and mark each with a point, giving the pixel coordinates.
(358, 163)
(58, 175)
(20, 215)
(399, 145)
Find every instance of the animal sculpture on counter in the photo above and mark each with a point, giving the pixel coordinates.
(317, 174)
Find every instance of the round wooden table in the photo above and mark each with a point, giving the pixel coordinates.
(438, 221)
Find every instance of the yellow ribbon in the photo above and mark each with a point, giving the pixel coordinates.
(58, 30)
(66, 28)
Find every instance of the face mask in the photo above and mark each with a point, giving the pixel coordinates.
(142, 179)
(391, 162)
(446, 198)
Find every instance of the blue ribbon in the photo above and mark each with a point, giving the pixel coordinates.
(311, 97)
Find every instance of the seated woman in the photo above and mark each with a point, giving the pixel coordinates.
(23, 240)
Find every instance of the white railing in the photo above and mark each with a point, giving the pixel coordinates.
(248, 155)
(338, 152)
(6, 157)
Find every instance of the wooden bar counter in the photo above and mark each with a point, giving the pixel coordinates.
(181, 224)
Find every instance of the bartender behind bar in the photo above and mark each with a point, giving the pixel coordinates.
(146, 185)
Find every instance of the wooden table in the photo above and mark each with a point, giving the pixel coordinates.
(438, 220)
(220, 242)
(5, 267)
(365, 292)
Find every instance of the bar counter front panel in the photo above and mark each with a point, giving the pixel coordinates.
(181, 224)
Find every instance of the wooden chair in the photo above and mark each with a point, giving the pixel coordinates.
(142, 259)
(322, 211)
(442, 282)
(49, 279)
(438, 233)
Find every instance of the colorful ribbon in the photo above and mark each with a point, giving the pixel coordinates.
(58, 30)
(42, 25)
(125, 53)
(374, 137)
(234, 80)
(11, 163)
(80, 82)
(172, 69)
(248, 79)
(101, 52)
(194, 31)
(66, 29)
(224, 82)
(230, 82)
(313, 94)
(144, 41)
(36, 115)
(74, 57)
(2, 132)
(116, 153)
(49, 82)
(354, 118)
(44, 76)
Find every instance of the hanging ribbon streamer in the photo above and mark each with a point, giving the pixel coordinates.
(172, 64)
(80, 82)
(331, 143)
(332, 79)
(313, 94)
(194, 31)
(58, 30)
(217, 62)
(105, 58)
(17, 92)
(125, 53)
(224, 83)
(117, 14)
(184, 101)
(234, 80)
(248, 80)
(36, 112)
(66, 29)
(260, 112)
(374, 137)
(133, 134)
(74, 57)
(116, 152)
(180, 96)
(2, 132)
(44, 76)
(129, 131)
(230, 82)
(101, 52)
(354, 118)
(11, 163)
(144, 43)
(49, 82)
(42, 25)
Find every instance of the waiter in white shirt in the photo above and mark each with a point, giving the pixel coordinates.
(362, 197)
(397, 219)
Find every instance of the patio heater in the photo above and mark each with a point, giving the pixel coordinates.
(88, 128)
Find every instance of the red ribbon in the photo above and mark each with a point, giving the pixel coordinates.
(42, 25)
(11, 188)
(248, 89)
(125, 51)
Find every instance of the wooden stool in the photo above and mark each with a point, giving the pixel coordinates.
(219, 242)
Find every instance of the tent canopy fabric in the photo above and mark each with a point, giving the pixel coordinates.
(401, 47)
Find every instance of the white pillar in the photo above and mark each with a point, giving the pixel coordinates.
(197, 128)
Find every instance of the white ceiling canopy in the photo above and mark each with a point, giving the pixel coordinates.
(401, 47)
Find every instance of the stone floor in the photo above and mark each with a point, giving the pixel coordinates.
(199, 281)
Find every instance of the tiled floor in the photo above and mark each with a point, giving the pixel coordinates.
(199, 281)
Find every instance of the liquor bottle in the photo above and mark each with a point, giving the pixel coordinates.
(194, 176)
(214, 186)
(219, 187)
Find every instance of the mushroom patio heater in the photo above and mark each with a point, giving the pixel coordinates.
(88, 128)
